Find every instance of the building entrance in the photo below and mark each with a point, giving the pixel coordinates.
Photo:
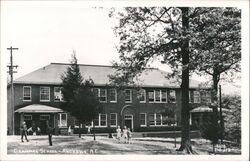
(128, 121)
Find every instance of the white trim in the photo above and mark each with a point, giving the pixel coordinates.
(155, 118)
(174, 95)
(41, 93)
(30, 93)
(199, 93)
(99, 120)
(27, 115)
(115, 120)
(115, 101)
(145, 123)
(60, 120)
(44, 116)
(144, 92)
(132, 118)
(130, 96)
(154, 91)
(61, 99)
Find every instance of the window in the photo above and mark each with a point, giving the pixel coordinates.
(143, 120)
(155, 119)
(172, 96)
(113, 119)
(113, 95)
(101, 121)
(142, 96)
(128, 95)
(151, 97)
(158, 119)
(27, 117)
(157, 96)
(44, 117)
(163, 96)
(44, 94)
(206, 96)
(151, 119)
(58, 96)
(197, 97)
(26, 93)
(62, 122)
(101, 93)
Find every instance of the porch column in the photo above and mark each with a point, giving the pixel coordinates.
(190, 118)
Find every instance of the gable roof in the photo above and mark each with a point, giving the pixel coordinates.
(51, 74)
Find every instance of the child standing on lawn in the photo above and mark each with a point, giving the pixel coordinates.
(119, 135)
(129, 135)
(125, 134)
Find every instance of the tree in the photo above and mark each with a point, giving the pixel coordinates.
(156, 32)
(170, 35)
(80, 101)
(232, 121)
(217, 51)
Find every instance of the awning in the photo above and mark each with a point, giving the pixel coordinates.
(206, 109)
(36, 108)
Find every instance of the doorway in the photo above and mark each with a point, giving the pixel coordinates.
(128, 121)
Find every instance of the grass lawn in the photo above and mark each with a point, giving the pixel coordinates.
(102, 145)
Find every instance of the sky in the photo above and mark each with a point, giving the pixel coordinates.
(49, 33)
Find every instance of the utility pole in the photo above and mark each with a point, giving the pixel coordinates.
(221, 119)
(11, 71)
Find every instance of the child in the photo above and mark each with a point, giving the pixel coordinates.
(125, 134)
(129, 135)
(119, 135)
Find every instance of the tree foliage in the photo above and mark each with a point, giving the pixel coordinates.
(79, 98)
(186, 39)
(232, 120)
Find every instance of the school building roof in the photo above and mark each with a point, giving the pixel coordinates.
(51, 74)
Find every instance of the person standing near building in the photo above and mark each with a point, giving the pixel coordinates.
(125, 134)
(129, 135)
(119, 134)
(49, 132)
(24, 131)
(69, 130)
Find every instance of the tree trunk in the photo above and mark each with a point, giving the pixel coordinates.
(215, 99)
(185, 136)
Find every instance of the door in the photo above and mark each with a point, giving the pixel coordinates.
(128, 121)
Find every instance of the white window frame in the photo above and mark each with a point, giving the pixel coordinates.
(113, 101)
(28, 116)
(44, 116)
(115, 119)
(30, 93)
(61, 99)
(99, 121)
(155, 120)
(60, 120)
(154, 91)
(199, 96)
(145, 122)
(130, 91)
(174, 95)
(41, 94)
(99, 94)
(142, 91)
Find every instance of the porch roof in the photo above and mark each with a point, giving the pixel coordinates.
(206, 109)
(37, 108)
